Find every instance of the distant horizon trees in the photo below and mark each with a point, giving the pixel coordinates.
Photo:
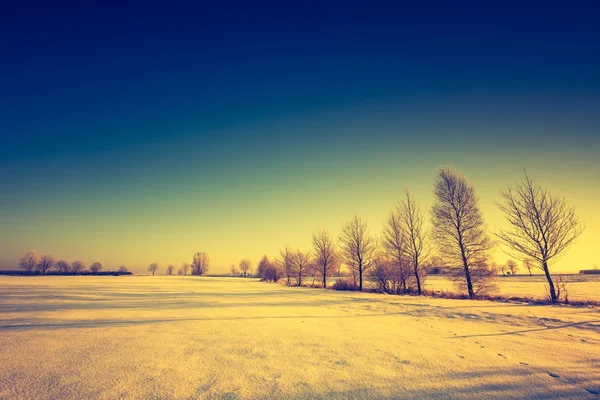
(46, 262)
(77, 266)
(153, 268)
(185, 267)
(245, 266)
(96, 267)
(29, 261)
(542, 226)
(63, 266)
(200, 263)
(170, 269)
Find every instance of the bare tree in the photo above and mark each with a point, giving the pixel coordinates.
(200, 264)
(185, 267)
(267, 270)
(287, 264)
(528, 264)
(542, 226)
(503, 268)
(123, 269)
(46, 262)
(63, 266)
(393, 243)
(245, 265)
(416, 246)
(153, 268)
(233, 270)
(325, 255)
(77, 267)
(170, 269)
(96, 267)
(511, 265)
(180, 271)
(459, 230)
(29, 261)
(357, 247)
(301, 265)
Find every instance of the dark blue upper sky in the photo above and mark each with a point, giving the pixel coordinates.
(82, 77)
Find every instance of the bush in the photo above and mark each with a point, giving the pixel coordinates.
(344, 284)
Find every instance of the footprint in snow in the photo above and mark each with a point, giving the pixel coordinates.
(552, 374)
(483, 347)
(522, 363)
(592, 391)
(583, 340)
(502, 355)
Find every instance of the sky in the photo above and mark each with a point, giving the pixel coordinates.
(139, 133)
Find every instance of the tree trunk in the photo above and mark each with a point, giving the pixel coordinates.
(551, 289)
(360, 278)
(324, 280)
(418, 278)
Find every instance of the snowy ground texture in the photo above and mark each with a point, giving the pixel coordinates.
(190, 338)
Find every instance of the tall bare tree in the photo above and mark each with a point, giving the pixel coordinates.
(77, 267)
(393, 243)
(357, 247)
(46, 262)
(63, 266)
(301, 262)
(96, 267)
(123, 269)
(29, 261)
(245, 265)
(170, 269)
(325, 255)
(153, 268)
(459, 229)
(416, 246)
(185, 267)
(542, 226)
(287, 265)
(233, 270)
(200, 263)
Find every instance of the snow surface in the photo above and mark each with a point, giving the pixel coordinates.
(187, 338)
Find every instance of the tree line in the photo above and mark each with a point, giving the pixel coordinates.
(199, 266)
(32, 263)
(541, 227)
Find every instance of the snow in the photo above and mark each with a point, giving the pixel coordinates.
(188, 337)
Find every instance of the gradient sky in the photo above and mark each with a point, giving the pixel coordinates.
(140, 133)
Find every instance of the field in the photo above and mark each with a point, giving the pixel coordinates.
(579, 287)
(187, 338)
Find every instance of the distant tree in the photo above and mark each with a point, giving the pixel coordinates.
(393, 243)
(511, 265)
(77, 267)
(46, 263)
(170, 269)
(200, 264)
(357, 247)
(325, 255)
(383, 275)
(528, 264)
(63, 266)
(267, 270)
(96, 267)
(29, 261)
(416, 246)
(459, 230)
(185, 267)
(494, 268)
(542, 226)
(301, 265)
(153, 268)
(233, 270)
(503, 268)
(245, 265)
(123, 269)
(287, 265)
(180, 271)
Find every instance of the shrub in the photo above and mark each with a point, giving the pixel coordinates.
(344, 284)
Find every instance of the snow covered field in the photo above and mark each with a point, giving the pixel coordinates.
(187, 338)
(579, 287)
